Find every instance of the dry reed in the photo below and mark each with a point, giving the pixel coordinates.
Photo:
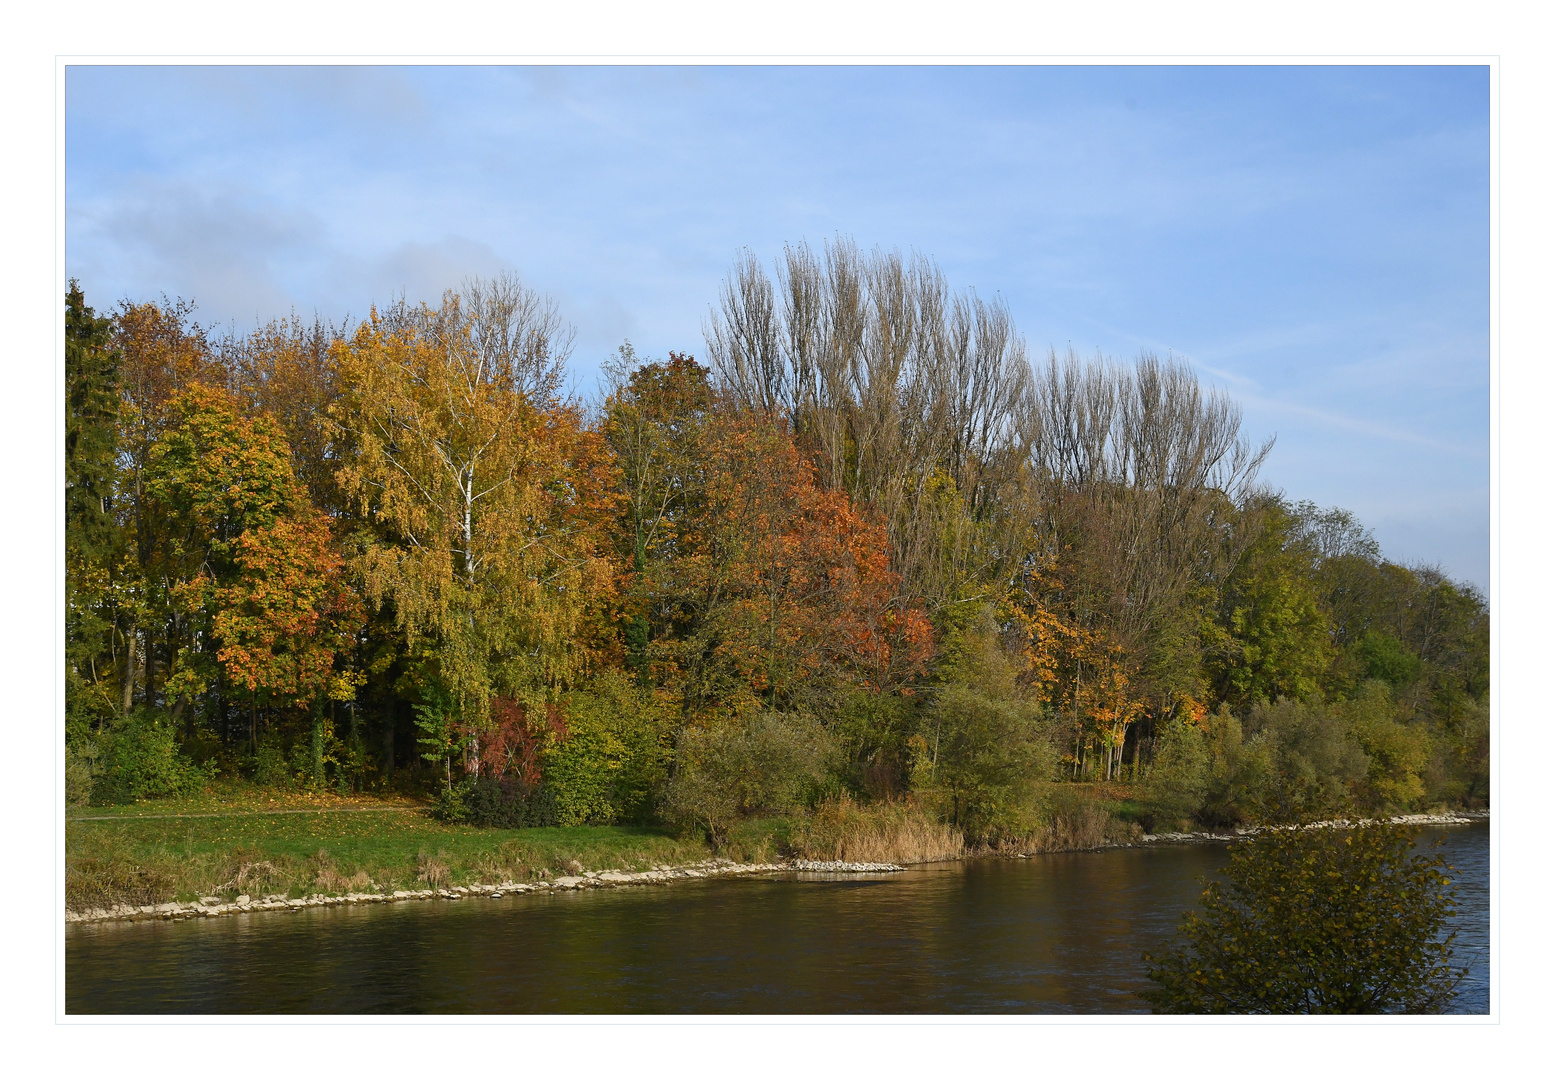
(432, 872)
(842, 830)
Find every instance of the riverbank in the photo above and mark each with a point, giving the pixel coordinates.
(1453, 817)
(711, 868)
(200, 860)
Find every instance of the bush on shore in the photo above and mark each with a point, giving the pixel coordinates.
(764, 763)
(139, 758)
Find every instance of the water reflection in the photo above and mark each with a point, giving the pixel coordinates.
(1054, 934)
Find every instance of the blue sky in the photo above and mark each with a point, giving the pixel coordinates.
(1315, 240)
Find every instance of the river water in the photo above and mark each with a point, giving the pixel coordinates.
(1050, 934)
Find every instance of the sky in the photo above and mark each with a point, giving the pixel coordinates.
(1313, 240)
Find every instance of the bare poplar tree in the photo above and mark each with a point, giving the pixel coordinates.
(911, 399)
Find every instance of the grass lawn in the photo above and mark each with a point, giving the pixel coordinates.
(237, 839)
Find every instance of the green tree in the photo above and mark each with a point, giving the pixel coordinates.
(1275, 640)
(93, 541)
(653, 420)
(1316, 921)
(983, 749)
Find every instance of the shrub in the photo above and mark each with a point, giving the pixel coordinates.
(81, 771)
(1316, 921)
(1458, 771)
(764, 762)
(140, 759)
(507, 803)
(985, 760)
(1315, 756)
(270, 765)
(1238, 771)
(611, 761)
(871, 731)
(1178, 783)
(450, 806)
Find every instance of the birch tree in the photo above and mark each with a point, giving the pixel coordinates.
(483, 496)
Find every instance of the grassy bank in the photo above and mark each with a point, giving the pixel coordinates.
(237, 839)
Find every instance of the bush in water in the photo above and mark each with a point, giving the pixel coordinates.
(1316, 921)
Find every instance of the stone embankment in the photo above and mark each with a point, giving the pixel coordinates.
(844, 867)
(1455, 817)
(208, 906)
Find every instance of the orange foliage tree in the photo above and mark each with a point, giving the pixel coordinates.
(777, 583)
(257, 581)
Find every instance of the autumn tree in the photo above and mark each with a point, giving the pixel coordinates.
(1143, 475)
(253, 573)
(286, 368)
(482, 495)
(911, 399)
(778, 588)
(162, 351)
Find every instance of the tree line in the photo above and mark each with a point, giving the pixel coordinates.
(872, 548)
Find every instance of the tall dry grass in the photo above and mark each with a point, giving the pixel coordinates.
(842, 830)
(1069, 821)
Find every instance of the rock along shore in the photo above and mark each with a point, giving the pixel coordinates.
(208, 906)
(1455, 817)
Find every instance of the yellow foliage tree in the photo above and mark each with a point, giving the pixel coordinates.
(486, 499)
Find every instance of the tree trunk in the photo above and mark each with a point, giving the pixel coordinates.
(356, 748)
(131, 640)
(388, 748)
(318, 743)
(149, 672)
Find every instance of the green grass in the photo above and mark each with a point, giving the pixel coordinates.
(236, 838)
(249, 841)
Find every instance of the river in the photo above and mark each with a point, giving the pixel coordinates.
(1057, 934)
